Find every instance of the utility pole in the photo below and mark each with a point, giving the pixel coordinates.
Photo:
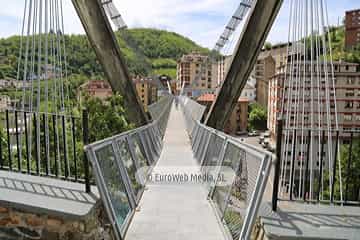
(103, 41)
(248, 48)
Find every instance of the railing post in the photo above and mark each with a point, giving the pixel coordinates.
(279, 130)
(8, 139)
(28, 165)
(66, 164)
(334, 168)
(306, 179)
(85, 119)
(348, 170)
(292, 171)
(44, 119)
(320, 187)
(37, 159)
(54, 121)
(73, 132)
(17, 141)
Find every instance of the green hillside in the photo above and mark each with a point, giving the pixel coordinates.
(146, 51)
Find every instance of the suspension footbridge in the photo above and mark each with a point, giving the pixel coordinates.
(177, 175)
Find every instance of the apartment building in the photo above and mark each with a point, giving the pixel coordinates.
(197, 73)
(263, 71)
(147, 90)
(346, 98)
(249, 90)
(265, 68)
(352, 28)
(239, 117)
(308, 116)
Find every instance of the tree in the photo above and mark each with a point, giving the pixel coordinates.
(267, 46)
(106, 118)
(351, 170)
(257, 117)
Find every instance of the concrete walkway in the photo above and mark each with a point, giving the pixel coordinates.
(174, 211)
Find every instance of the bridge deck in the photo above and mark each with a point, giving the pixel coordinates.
(175, 211)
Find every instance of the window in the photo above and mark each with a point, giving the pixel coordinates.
(350, 80)
(350, 93)
(347, 117)
(349, 104)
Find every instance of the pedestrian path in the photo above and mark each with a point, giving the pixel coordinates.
(172, 210)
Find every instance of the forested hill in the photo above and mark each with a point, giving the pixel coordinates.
(146, 51)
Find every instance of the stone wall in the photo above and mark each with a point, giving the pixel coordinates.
(20, 225)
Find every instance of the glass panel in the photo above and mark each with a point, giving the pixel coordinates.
(114, 183)
(211, 159)
(139, 151)
(198, 139)
(213, 151)
(151, 144)
(237, 203)
(130, 167)
(202, 145)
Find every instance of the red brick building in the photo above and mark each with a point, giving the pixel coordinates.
(352, 28)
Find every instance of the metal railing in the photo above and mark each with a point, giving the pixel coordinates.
(327, 178)
(121, 165)
(237, 204)
(45, 144)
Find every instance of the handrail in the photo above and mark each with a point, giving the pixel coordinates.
(215, 151)
(45, 144)
(121, 165)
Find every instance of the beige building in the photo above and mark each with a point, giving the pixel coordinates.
(347, 85)
(265, 68)
(197, 73)
(239, 118)
(249, 90)
(147, 90)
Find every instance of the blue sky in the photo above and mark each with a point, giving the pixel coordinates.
(201, 20)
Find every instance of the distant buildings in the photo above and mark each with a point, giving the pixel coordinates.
(166, 81)
(249, 90)
(147, 90)
(95, 88)
(239, 117)
(347, 85)
(5, 102)
(197, 73)
(352, 28)
(12, 83)
(268, 61)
